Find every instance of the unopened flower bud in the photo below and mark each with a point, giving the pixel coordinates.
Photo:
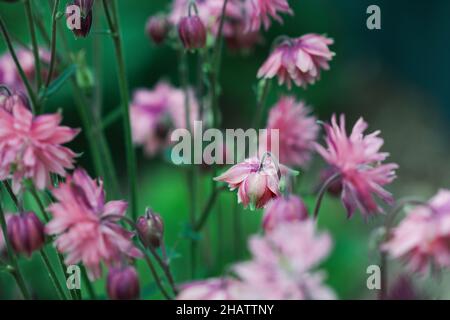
(123, 283)
(192, 32)
(151, 229)
(82, 27)
(26, 233)
(157, 28)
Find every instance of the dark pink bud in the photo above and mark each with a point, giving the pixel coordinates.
(123, 284)
(151, 229)
(9, 99)
(85, 19)
(157, 28)
(192, 32)
(26, 233)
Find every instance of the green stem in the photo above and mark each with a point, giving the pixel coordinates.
(166, 269)
(123, 88)
(207, 209)
(52, 274)
(322, 192)
(88, 284)
(31, 94)
(39, 203)
(13, 259)
(37, 59)
(261, 103)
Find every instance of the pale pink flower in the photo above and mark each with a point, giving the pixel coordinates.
(259, 12)
(31, 146)
(9, 75)
(86, 225)
(155, 113)
(282, 210)
(357, 160)
(210, 289)
(282, 264)
(297, 132)
(422, 239)
(257, 181)
(299, 60)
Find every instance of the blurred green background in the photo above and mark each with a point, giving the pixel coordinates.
(397, 78)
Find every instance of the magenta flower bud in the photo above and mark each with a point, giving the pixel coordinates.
(82, 31)
(123, 284)
(26, 233)
(192, 32)
(151, 229)
(157, 28)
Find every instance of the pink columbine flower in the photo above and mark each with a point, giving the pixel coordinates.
(357, 160)
(299, 60)
(210, 289)
(155, 113)
(259, 12)
(8, 72)
(86, 225)
(297, 132)
(422, 239)
(31, 146)
(282, 210)
(283, 262)
(257, 181)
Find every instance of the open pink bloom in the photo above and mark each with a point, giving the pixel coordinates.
(357, 160)
(84, 231)
(155, 113)
(282, 264)
(423, 237)
(297, 132)
(282, 210)
(210, 289)
(299, 60)
(257, 182)
(8, 72)
(31, 146)
(260, 12)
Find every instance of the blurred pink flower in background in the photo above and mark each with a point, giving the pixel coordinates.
(9, 75)
(299, 60)
(210, 289)
(297, 132)
(257, 181)
(282, 210)
(31, 147)
(422, 239)
(357, 160)
(155, 113)
(259, 12)
(84, 231)
(281, 267)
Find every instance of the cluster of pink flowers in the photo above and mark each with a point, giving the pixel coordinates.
(281, 268)
(155, 113)
(31, 146)
(423, 238)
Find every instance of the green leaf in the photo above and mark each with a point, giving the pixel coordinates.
(56, 84)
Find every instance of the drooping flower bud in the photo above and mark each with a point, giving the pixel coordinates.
(123, 283)
(26, 233)
(192, 32)
(157, 28)
(151, 229)
(82, 24)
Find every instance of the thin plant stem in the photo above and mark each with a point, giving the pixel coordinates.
(87, 283)
(166, 269)
(123, 88)
(207, 209)
(261, 103)
(17, 274)
(37, 60)
(52, 275)
(39, 203)
(52, 45)
(24, 78)
(322, 192)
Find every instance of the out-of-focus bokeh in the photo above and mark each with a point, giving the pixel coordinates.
(397, 78)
